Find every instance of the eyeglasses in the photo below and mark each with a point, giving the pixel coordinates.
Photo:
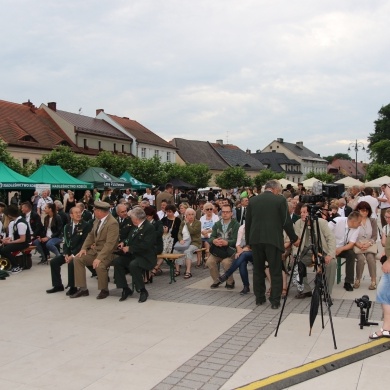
(228, 211)
(208, 209)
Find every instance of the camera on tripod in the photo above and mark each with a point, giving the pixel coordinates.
(321, 192)
(363, 302)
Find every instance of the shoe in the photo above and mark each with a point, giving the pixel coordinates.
(143, 296)
(103, 294)
(16, 270)
(80, 293)
(229, 286)
(55, 289)
(245, 290)
(125, 294)
(42, 262)
(348, 286)
(260, 301)
(223, 278)
(303, 295)
(215, 285)
(71, 291)
(375, 335)
(372, 286)
(275, 306)
(357, 283)
(187, 275)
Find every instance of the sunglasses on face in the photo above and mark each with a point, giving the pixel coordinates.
(208, 209)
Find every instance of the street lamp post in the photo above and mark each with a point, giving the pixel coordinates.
(356, 147)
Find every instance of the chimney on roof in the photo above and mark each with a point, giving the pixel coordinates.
(99, 110)
(353, 160)
(219, 141)
(52, 106)
(280, 140)
(31, 105)
(299, 143)
(248, 151)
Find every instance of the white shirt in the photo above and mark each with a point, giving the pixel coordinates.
(28, 216)
(372, 202)
(343, 234)
(383, 205)
(43, 201)
(208, 223)
(341, 211)
(151, 198)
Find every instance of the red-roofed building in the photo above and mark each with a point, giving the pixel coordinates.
(342, 168)
(30, 132)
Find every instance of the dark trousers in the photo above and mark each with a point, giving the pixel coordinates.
(7, 250)
(271, 254)
(241, 262)
(55, 268)
(349, 257)
(123, 264)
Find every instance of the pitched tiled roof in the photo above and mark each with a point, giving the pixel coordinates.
(348, 167)
(302, 151)
(199, 152)
(274, 160)
(89, 125)
(237, 157)
(27, 126)
(141, 133)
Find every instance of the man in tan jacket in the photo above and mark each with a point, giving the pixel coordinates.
(97, 251)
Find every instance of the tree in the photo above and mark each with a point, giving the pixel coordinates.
(341, 156)
(198, 175)
(376, 170)
(149, 171)
(233, 177)
(266, 175)
(380, 152)
(8, 159)
(69, 161)
(324, 177)
(115, 164)
(382, 128)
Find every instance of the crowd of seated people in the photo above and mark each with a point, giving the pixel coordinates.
(188, 222)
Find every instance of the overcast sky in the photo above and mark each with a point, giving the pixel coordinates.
(245, 71)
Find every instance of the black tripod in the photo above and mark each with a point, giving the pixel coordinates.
(321, 291)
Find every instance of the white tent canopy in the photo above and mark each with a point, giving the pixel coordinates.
(349, 182)
(308, 183)
(378, 182)
(284, 183)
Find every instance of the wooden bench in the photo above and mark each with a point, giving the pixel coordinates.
(170, 259)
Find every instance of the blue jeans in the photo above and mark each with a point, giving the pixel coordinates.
(241, 262)
(48, 246)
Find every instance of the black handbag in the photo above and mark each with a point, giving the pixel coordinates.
(222, 251)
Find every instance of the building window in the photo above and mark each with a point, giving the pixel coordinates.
(156, 153)
(100, 145)
(123, 148)
(168, 156)
(25, 161)
(114, 148)
(143, 152)
(85, 143)
(37, 162)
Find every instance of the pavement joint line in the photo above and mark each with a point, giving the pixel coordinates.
(319, 367)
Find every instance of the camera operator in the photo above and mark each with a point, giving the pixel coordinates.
(346, 232)
(383, 290)
(328, 249)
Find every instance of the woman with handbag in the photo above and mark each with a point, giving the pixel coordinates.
(189, 242)
(365, 247)
(52, 224)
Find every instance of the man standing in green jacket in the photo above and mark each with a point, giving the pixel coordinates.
(266, 218)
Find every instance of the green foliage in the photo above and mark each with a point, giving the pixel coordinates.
(198, 175)
(8, 159)
(324, 177)
(113, 163)
(382, 128)
(341, 156)
(376, 170)
(380, 152)
(266, 175)
(233, 177)
(69, 161)
(149, 171)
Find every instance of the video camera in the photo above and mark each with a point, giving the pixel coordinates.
(321, 192)
(363, 302)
